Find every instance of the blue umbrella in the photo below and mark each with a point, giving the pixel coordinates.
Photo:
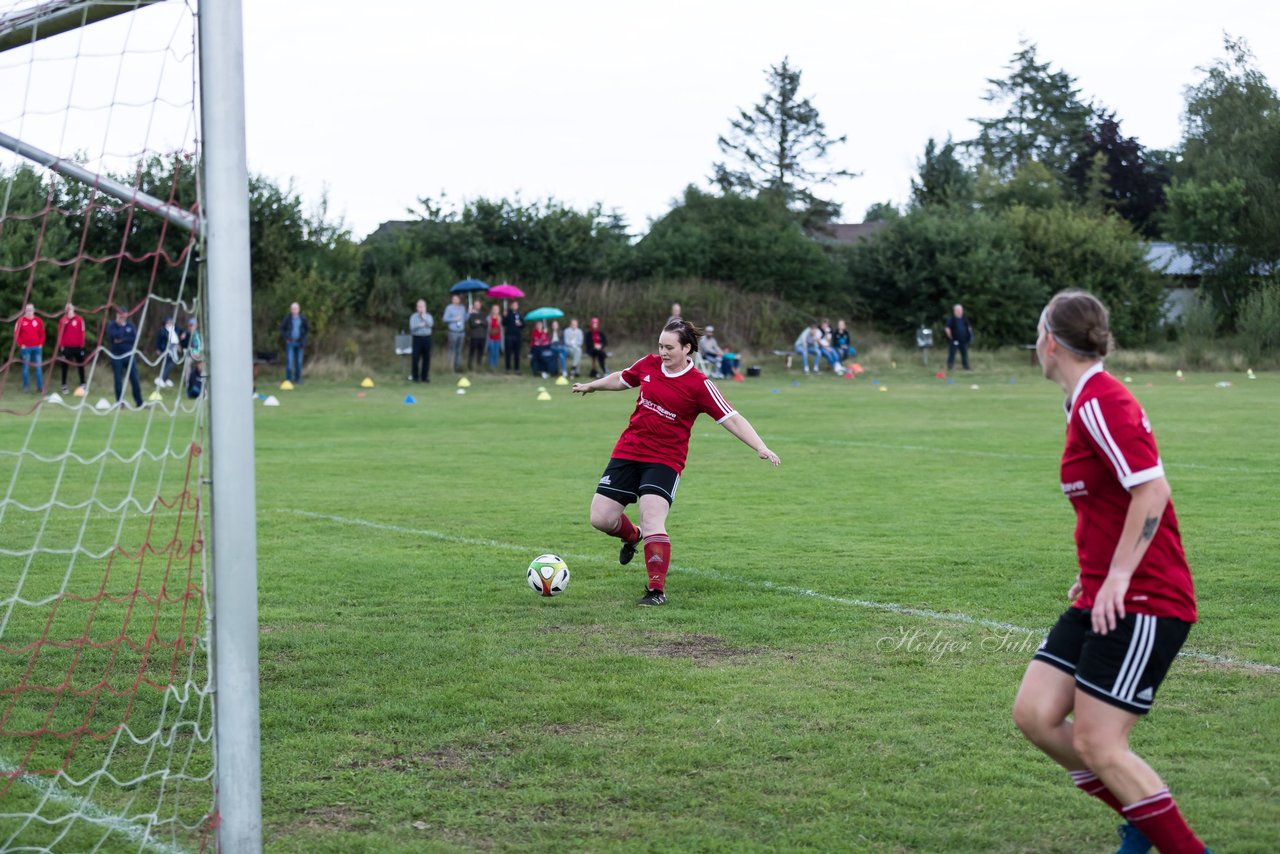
(544, 314)
(467, 286)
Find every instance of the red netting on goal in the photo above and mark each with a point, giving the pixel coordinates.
(106, 706)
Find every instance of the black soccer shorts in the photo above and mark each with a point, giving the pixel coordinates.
(1123, 667)
(626, 480)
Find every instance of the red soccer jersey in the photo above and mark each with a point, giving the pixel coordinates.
(71, 331)
(30, 332)
(665, 412)
(1110, 449)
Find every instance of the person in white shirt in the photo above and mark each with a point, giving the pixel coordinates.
(573, 344)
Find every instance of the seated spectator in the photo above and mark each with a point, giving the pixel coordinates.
(573, 344)
(830, 353)
(558, 349)
(541, 359)
(841, 341)
(809, 344)
(723, 364)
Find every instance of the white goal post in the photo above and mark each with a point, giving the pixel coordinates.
(221, 222)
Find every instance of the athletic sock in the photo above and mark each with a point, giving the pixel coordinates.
(626, 530)
(1088, 782)
(1160, 821)
(657, 559)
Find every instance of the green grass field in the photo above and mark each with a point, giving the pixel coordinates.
(837, 663)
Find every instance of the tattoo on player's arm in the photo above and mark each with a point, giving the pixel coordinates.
(1148, 529)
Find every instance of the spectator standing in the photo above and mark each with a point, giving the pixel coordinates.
(169, 348)
(29, 334)
(494, 335)
(70, 344)
(477, 331)
(959, 333)
(421, 324)
(455, 321)
(122, 336)
(675, 312)
(193, 350)
(294, 330)
(573, 346)
(594, 347)
(512, 337)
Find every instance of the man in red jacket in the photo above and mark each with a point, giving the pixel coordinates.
(29, 332)
(70, 344)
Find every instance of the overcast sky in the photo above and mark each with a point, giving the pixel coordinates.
(381, 102)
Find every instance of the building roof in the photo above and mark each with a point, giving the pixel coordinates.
(1168, 259)
(852, 232)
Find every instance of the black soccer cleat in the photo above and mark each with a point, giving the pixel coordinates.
(653, 598)
(627, 552)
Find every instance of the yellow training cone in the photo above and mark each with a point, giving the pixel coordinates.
(464, 383)
(155, 395)
(563, 380)
(367, 382)
(544, 396)
(286, 386)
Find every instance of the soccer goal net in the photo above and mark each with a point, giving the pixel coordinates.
(107, 656)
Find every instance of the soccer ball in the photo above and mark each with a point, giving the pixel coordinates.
(548, 575)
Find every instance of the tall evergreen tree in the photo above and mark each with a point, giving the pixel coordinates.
(780, 146)
(943, 180)
(1045, 120)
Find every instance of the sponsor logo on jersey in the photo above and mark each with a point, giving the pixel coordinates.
(1074, 489)
(646, 377)
(656, 409)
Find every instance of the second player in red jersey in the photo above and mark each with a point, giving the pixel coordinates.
(1133, 602)
(648, 458)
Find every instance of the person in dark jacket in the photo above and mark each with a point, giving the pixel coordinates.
(122, 336)
(512, 337)
(959, 332)
(294, 331)
(593, 345)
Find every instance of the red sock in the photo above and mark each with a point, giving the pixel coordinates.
(657, 558)
(1088, 782)
(1159, 820)
(626, 531)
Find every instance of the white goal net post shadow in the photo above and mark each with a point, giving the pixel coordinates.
(59, 626)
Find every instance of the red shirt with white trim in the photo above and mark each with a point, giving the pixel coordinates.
(71, 331)
(29, 332)
(666, 408)
(1110, 449)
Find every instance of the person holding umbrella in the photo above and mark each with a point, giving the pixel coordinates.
(512, 337)
(647, 460)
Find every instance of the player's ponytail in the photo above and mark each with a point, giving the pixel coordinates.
(685, 331)
(1080, 323)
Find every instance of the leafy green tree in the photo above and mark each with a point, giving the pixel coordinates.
(881, 212)
(943, 179)
(755, 243)
(779, 147)
(1044, 119)
(1225, 201)
(912, 272)
(1116, 173)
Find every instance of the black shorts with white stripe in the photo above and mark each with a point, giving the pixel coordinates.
(1125, 666)
(626, 480)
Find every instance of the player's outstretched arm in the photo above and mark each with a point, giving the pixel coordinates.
(741, 427)
(609, 382)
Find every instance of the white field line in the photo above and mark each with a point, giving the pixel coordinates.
(50, 791)
(904, 610)
(1009, 455)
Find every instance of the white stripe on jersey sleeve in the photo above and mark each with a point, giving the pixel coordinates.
(1091, 415)
(720, 401)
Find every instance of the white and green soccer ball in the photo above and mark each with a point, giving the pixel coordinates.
(548, 575)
